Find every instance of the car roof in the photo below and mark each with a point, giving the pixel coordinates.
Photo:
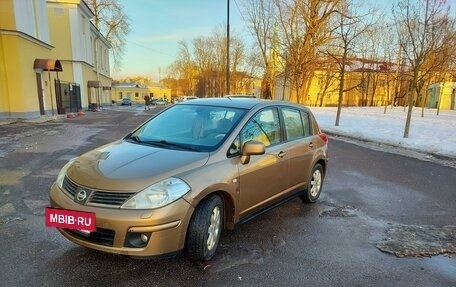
(238, 102)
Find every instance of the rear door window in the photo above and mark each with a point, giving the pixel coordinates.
(296, 122)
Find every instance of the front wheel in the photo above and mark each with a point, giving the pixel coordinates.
(205, 229)
(314, 185)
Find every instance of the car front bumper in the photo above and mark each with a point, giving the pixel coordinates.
(120, 231)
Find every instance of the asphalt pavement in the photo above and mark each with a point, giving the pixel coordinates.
(384, 219)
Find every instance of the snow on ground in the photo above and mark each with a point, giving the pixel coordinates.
(434, 134)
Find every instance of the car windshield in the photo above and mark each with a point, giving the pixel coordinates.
(189, 127)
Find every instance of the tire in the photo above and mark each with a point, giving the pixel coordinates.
(314, 185)
(205, 229)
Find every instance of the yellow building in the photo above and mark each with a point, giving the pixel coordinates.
(367, 83)
(160, 92)
(52, 59)
(136, 92)
(442, 95)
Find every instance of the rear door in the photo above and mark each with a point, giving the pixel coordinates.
(300, 146)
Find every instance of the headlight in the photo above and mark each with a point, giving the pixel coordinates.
(158, 195)
(62, 173)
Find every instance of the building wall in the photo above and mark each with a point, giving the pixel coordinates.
(79, 47)
(136, 93)
(18, 92)
(21, 42)
(48, 29)
(31, 18)
(160, 92)
(59, 26)
(324, 89)
(442, 95)
(7, 15)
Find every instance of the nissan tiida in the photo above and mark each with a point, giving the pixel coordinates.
(196, 168)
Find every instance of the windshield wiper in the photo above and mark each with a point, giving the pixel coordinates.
(163, 143)
(135, 138)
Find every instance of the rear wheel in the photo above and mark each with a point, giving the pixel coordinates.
(205, 229)
(314, 185)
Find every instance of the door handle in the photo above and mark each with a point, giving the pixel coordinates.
(311, 145)
(281, 154)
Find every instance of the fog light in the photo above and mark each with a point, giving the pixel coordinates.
(136, 239)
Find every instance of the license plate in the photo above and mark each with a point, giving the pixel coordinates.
(71, 219)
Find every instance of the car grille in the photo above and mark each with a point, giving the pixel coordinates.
(97, 197)
(100, 236)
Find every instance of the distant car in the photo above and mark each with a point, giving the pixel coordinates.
(191, 171)
(159, 102)
(186, 98)
(125, 102)
(241, 96)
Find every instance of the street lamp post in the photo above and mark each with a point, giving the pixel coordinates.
(228, 47)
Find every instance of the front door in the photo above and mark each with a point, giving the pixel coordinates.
(40, 93)
(262, 179)
(453, 99)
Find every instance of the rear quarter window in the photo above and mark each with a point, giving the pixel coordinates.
(297, 123)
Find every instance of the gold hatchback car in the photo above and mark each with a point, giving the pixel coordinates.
(189, 172)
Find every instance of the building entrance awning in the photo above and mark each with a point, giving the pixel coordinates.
(48, 65)
(94, 84)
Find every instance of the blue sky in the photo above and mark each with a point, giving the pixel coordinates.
(157, 26)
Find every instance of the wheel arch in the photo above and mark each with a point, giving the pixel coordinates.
(323, 164)
(191, 245)
(228, 207)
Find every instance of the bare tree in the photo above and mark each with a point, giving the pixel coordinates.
(113, 24)
(260, 16)
(423, 31)
(202, 64)
(305, 29)
(327, 79)
(183, 69)
(349, 28)
(390, 53)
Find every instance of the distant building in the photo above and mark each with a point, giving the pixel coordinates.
(134, 92)
(53, 60)
(367, 83)
(159, 91)
(442, 95)
(137, 92)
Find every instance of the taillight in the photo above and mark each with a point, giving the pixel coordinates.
(324, 137)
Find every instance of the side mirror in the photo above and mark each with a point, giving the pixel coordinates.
(251, 148)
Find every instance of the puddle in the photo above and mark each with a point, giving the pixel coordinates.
(342, 211)
(419, 241)
(8, 177)
(338, 211)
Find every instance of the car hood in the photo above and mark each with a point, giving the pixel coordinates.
(129, 166)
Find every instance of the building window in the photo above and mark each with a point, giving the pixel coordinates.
(84, 25)
(120, 95)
